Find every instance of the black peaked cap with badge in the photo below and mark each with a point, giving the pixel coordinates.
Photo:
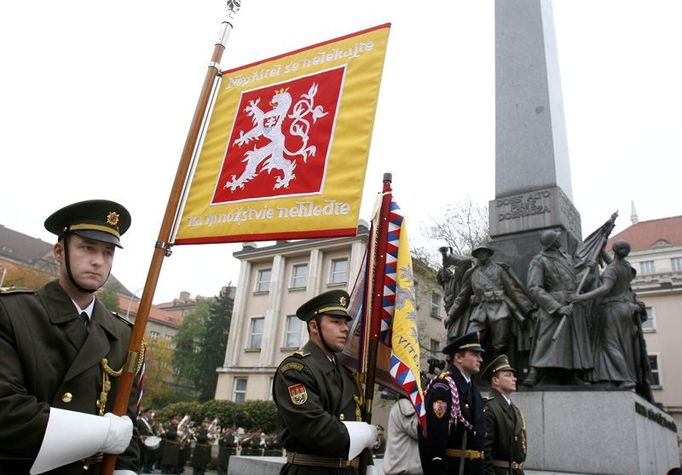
(101, 220)
(501, 363)
(333, 302)
(469, 341)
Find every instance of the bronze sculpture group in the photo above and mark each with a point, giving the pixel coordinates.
(568, 324)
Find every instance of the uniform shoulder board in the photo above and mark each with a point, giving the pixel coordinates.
(291, 365)
(15, 290)
(123, 319)
(301, 353)
(443, 374)
(488, 397)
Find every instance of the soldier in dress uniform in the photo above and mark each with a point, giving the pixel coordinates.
(145, 429)
(318, 400)
(452, 441)
(505, 428)
(201, 455)
(57, 345)
(170, 452)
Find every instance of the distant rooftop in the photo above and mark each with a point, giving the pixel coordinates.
(652, 234)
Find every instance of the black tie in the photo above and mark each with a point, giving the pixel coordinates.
(86, 320)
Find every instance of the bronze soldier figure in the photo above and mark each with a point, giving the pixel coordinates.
(450, 279)
(505, 428)
(617, 329)
(552, 282)
(498, 307)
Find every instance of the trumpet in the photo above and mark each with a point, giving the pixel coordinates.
(214, 432)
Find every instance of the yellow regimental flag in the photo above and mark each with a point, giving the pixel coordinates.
(285, 150)
(404, 334)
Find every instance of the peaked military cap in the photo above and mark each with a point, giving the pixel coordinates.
(333, 302)
(501, 363)
(482, 249)
(469, 342)
(101, 220)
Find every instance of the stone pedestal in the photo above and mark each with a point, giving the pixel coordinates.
(597, 432)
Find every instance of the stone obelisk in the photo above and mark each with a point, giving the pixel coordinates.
(532, 173)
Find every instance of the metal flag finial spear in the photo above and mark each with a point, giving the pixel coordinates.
(163, 244)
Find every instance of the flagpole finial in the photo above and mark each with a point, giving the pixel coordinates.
(388, 177)
(233, 7)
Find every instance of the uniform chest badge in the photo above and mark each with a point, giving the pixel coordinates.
(298, 394)
(440, 408)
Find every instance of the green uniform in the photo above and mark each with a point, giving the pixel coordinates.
(313, 397)
(505, 439)
(50, 360)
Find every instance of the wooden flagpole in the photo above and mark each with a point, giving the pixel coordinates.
(375, 303)
(162, 248)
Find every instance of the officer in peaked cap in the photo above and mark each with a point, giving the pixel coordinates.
(452, 441)
(505, 428)
(58, 344)
(318, 400)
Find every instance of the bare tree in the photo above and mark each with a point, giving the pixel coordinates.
(463, 226)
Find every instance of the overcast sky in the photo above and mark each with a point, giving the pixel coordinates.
(97, 97)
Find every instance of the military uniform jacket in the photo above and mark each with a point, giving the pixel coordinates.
(505, 438)
(46, 364)
(444, 433)
(313, 397)
(202, 450)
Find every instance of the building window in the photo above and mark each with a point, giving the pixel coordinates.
(263, 280)
(435, 304)
(339, 272)
(256, 333)
(239, 391)
(655, 376)
(435, 345)
(676, 263)
(292, 333)
(154, 334)
(647, 267)
(650, 324)
(299, 276)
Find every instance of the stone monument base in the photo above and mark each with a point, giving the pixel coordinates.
(597, 432)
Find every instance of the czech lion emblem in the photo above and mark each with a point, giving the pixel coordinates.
(272, 146)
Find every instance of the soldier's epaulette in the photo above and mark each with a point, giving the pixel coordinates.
(123, 319)
(443, 374)
(291, 365)
(15, 290)
(488, 397)
(301, 353)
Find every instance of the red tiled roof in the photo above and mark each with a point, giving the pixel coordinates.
(645, 234)
(161, 316)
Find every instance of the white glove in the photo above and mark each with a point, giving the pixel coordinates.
(119, 434)
(362, 436)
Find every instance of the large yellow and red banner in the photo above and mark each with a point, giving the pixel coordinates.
(285, 151)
